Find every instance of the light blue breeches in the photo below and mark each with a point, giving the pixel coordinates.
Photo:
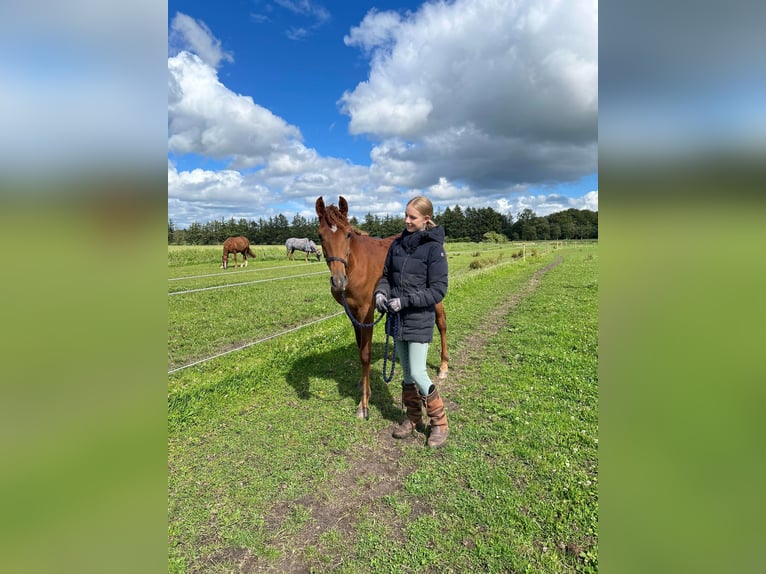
(412, 357)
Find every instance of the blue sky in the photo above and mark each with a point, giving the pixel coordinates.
(473, 103)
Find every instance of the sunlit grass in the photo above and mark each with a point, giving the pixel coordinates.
(272, 428)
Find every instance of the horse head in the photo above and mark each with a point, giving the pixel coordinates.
(335, 232)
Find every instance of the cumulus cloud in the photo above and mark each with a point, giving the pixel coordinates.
(201, 195)
(546, 204)
(207, 118)
(446, 192)
(377, 30)
(267, 163)
(485, 91)
(474, 102)
(192, 35)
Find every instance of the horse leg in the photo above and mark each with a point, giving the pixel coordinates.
(244, 256)
(441, 324)
(364, 340)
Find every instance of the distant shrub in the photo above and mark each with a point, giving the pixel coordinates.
(494, 237)
(481, 263)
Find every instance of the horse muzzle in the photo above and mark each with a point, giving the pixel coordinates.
(338, 283)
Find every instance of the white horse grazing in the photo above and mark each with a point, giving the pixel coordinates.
(306, 245)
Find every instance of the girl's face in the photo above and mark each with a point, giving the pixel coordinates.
(413, 221)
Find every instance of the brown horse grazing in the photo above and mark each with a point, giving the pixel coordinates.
(356, 265)
(236, 245)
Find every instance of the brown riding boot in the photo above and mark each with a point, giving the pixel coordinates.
(435, 410)
(411, 401)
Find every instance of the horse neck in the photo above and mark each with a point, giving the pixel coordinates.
(365, 262)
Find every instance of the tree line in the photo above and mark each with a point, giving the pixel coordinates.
(469, 224)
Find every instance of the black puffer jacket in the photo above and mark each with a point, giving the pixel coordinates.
(416, 271)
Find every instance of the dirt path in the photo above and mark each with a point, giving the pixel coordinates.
(375, 472)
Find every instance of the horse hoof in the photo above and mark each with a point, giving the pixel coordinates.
(441, 375)
(363, 413)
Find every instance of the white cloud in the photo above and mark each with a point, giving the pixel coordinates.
(376, 30)
(315, 13)
(445, 192)
(192, 35)
(205, 185)
(305, 8)
(546, 204)
(485, 91)
(588, 201)
(469, 105)
(201, 195)
(207, 118)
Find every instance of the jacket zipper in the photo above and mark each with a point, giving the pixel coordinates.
(401, 275)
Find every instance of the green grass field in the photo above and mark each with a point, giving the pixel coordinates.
(270, 471)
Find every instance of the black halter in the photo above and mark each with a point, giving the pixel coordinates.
(333, 258)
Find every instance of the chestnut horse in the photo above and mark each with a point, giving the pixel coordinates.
(236, 245)
(356, 264)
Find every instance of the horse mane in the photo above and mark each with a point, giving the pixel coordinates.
(334, 216)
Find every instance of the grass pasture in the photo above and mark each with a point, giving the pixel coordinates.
(269, 471)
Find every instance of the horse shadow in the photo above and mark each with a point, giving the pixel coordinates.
(343, 366)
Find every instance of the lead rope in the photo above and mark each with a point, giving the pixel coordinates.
(354, 320)
(393, 322)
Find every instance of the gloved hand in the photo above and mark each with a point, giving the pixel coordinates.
(395, 305)
(381, 303)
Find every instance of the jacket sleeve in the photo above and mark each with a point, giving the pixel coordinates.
(383, 284)
(436, 281)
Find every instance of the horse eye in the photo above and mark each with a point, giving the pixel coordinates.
(348, 235)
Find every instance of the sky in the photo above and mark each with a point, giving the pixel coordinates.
(477, 103)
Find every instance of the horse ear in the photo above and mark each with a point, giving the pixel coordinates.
(343, 205)
(320, 207)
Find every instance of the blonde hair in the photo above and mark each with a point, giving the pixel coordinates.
(424, 207)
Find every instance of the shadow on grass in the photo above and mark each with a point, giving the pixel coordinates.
(344, 367)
